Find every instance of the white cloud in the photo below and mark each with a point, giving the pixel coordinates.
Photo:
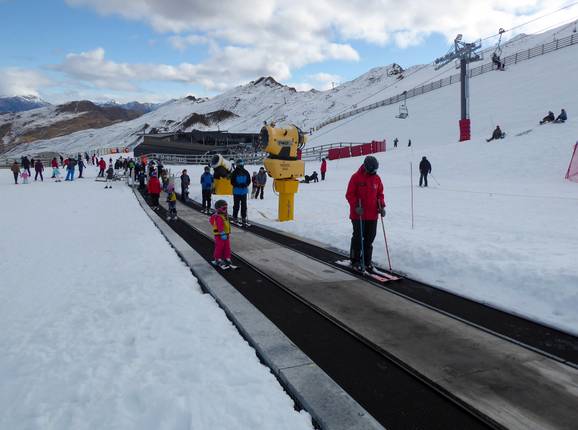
(182, 43)
(18, 82)
(250, 38)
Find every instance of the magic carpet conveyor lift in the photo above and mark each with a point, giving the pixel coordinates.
(283, 164)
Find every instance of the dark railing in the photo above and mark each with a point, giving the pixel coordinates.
(515, 58)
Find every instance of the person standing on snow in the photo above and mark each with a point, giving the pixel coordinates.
(424, 170)
(323, 168)
(15, 171)
(366, 202)
(70, 169)
(26, 164)
(395, 141)
(54, 165)
(109, 177)
(81, 166)
(240, 179)
(101, 167)
(409, 143)
(38, 168)
(154, 189)
(261, 182)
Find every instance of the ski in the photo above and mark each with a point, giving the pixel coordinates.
(381, 277)
(383, 274)
(224, 266)
(240, 223)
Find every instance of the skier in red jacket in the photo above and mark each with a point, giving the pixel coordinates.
(154, 189)
(366, 202)
(323, 168)
(102, 167)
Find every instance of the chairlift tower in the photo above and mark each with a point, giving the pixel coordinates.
(466, 53)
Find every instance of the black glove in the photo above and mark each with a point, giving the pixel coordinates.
(382, 212)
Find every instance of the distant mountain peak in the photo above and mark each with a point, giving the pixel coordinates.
(21, 103)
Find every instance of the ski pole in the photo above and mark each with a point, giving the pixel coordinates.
(361, 239)
(386, 247)
(434, 179)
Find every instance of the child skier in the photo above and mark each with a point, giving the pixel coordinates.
(222, 232)
(25, 175)
(109, 177)
(56, 174)
(172, 201)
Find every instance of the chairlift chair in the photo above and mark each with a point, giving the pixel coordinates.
(403, 112)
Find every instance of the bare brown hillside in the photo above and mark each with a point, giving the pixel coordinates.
(48, 123)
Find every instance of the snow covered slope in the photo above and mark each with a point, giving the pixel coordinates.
(267, 100)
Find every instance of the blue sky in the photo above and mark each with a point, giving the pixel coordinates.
(153, 50)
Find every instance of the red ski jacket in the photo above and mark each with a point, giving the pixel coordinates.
(154, 185)
(368, 190)
(102, 164)
(323, 166)
(54, 163)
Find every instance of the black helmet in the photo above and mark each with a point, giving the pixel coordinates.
(370, 164)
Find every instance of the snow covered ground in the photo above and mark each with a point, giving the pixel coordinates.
(103, 326)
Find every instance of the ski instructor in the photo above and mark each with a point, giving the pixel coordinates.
(366, 202)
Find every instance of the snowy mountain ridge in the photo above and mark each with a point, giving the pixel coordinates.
(265, 99)
(21, 103)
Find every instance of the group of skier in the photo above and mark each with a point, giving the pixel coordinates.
(22, 169)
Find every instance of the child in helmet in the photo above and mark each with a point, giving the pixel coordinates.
(172, 201)
(221, 231)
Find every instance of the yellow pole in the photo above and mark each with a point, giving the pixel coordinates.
(286, 189)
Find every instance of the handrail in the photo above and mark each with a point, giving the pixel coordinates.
(309, 154)
(515, 58)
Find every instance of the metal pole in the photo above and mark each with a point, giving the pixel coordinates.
(386, 247)
(464, 90)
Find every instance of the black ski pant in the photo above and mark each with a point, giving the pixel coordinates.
(15, 177)
(322, 176)
(240, 200)
(101, 173)
(369, 228)
(80, 173)
(207, 199)
(259, 190)
(154, 200)
(423, 179)
(38, 172)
